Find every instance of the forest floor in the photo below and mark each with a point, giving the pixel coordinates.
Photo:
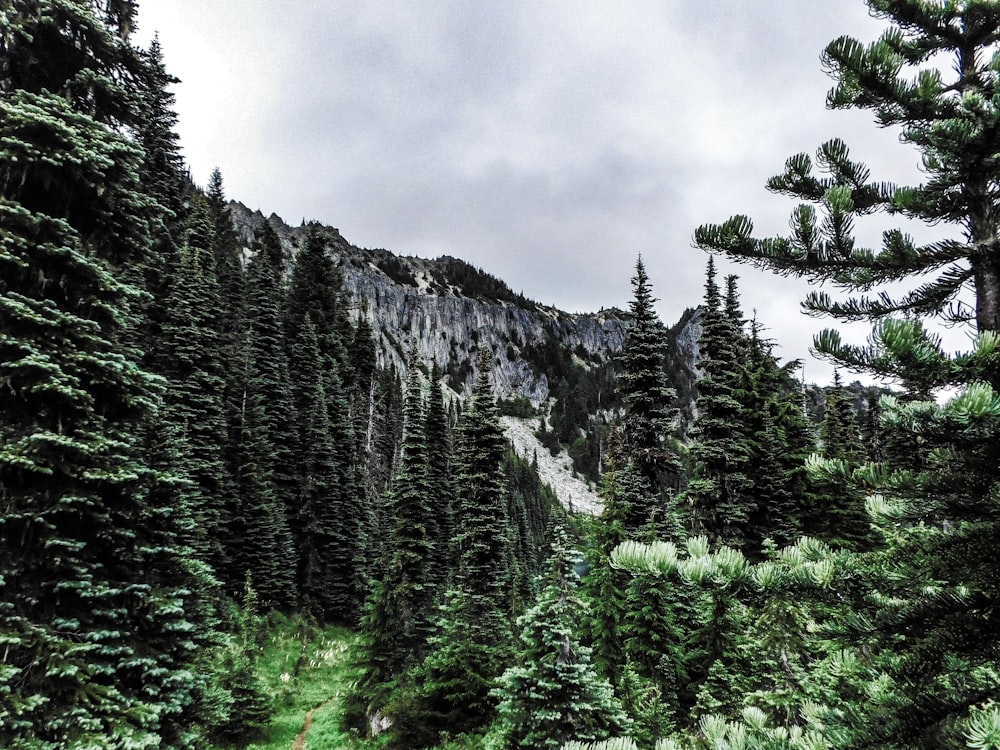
(308, 671)
(574, 493)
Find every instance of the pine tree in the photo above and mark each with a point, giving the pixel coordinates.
(97, 610)
(554, 695)
(840, 433)
(469, 644)
(605, 587)
(778, 438)
(440, 484)
(482, 539)
(642, 473)
(784, 441)
(648, 399)
(385, 434)
(162, 172)
(449, 692)
(353, 530)
(321, 502)
(839, 516)
(364, 415)
(316, 288)
(193, 399)
(268, 485)
(414, 522)
(654, 639)
(228, 257)
(231, 278)
(531, 505)
(397, 616)
(938, 592)
(719, 492)
(315, 300)
(161, 175)
(230, 275)
(231, 330)
(643, 621)
(270, 560)
(361, 350)
(243, 707)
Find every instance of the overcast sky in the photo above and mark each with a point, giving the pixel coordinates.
(547, 142)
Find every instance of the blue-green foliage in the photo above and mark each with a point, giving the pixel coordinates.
(99, 602)
(553, 694)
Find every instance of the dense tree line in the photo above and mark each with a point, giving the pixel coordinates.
(195, 433)
(871, 630)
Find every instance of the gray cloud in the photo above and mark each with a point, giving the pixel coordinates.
(549, 143)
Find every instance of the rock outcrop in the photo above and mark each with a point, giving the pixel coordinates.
(448, 311)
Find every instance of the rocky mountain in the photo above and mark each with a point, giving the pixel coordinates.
(448, 310)
(553, 371)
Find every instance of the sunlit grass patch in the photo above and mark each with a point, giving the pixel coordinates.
(305, 667)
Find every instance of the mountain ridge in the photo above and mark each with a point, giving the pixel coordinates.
(547, 365)
(447, 310)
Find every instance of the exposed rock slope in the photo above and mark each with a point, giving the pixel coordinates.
(556, 471)
(449, 310)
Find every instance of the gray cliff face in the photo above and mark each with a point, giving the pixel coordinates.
(687, 340)
(450, 330)
(419, 307)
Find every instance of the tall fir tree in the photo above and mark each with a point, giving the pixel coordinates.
(316, 292)
(468, 642)
(229, 323)
(648, 422)
(193, 398)
(413, 523)
(268, 484)
(98, 606)
(440, 483)
(361, 350)
(162, 173)
(531, 504)
(228, 257)
(385, 436)
(448, 694)
(231, 277)
(364, 413)
(162, 178)
(605, 587)
(840, 432)
(642, 473)
(839, 517)
(484, 555)
(316, 288)
(774, 432)
(321, 482)
(397, 617)
(785, 493)
(719, 492)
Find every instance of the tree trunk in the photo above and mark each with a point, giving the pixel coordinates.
(987, 280)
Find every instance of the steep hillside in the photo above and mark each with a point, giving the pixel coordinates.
(448, 310)
(551, 369)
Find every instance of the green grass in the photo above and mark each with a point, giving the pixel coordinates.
(306, 667)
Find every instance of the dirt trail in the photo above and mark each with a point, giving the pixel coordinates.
(300, 741)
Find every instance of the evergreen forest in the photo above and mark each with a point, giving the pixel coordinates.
(227, 522)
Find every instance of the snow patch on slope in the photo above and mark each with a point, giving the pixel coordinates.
(556, 471)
